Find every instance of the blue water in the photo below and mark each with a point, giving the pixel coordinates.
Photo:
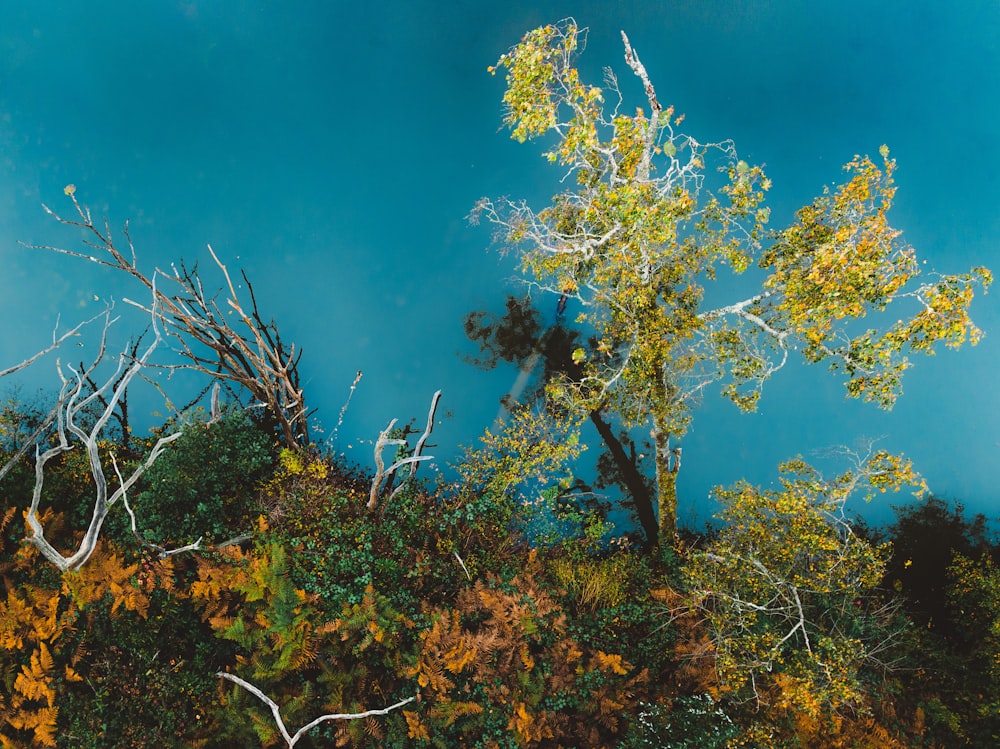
(333, 151)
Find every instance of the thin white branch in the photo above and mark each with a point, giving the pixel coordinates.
(419, 449)
(381, 473)
(292, 739)
(343, 409)
(652, 128)
(57, 340)
(462, 565)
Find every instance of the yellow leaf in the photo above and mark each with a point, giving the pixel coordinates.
(417, 730)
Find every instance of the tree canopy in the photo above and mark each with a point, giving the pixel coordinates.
(647, 220)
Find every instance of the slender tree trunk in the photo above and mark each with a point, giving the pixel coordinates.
(633, 478)
(667, 465)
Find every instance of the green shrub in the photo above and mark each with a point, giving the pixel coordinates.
(205, 483)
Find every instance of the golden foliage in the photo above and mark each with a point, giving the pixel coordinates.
(32, 683)
(41, 722)
(531, 727)
(491, 643)
(416, 728)
(593, 583)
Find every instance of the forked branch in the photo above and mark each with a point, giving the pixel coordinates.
(292, 739)
(250, 353)
(384, 440)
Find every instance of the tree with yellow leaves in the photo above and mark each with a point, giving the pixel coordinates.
(786, 588)
(647, 219)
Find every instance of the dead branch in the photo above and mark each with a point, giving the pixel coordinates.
(292, 739)
(75, 397)
(652, 130)
(381, 474)
(57, 341)
(343, 409)
(249, 353)
(419, 449)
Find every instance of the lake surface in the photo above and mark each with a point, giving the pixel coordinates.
(333, 150)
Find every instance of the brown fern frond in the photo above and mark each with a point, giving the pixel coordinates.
(374, 729)
(33, 681)
(42, 722)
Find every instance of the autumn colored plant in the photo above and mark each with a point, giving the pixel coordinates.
(788, 590)
(648, 217)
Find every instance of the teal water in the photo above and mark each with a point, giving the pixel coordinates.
(333, 151)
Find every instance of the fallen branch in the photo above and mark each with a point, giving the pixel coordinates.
(292, 739)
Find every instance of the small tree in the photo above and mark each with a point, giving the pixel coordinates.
(787, 589)
(645, 224)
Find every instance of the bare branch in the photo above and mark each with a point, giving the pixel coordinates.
(419, 449)
(653, 128)
(343, 409)
(57, 341)
(292, 739)
(381, 473)
(254, 357)
(71, 403)
(462, 565)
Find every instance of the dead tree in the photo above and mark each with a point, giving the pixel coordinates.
(78, 396)
(382, 474)
(248, 354)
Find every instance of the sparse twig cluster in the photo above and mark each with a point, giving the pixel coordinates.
(250, 353)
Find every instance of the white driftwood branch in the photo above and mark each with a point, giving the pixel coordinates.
(462, 565)
(70, 404)
(381, 473)
(292, 739)
(419, 449)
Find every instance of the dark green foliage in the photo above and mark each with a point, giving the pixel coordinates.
(147, 681)
(339, 549)
(925, 538)
(943, 565)
(204, 485)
